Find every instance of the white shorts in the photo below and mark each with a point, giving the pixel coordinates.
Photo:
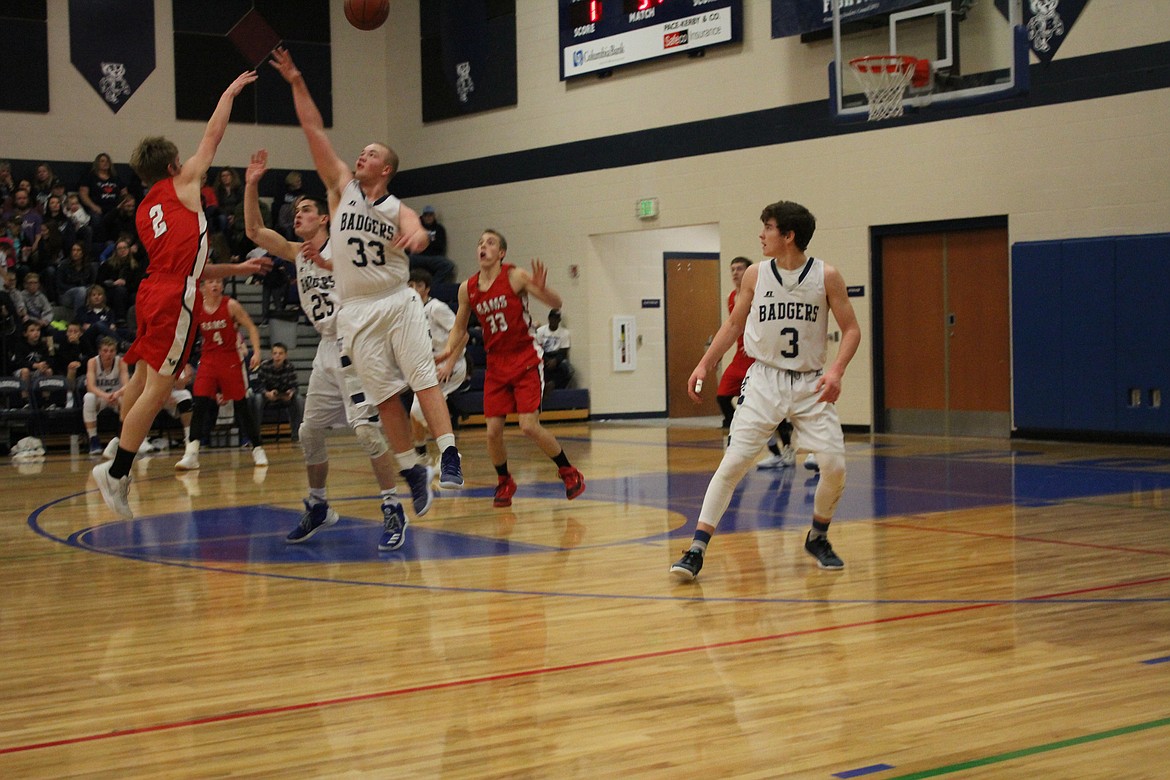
(453, 383)
(92, 404)
(329, 400)
(771, 395)
(389, 343)
(172, 405)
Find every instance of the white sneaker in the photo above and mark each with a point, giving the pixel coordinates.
(111, 449)
(810, 463)
(771, 462)
(788, 456)
(190, 459)
(259, 457)
(145, 447)
(115, 492)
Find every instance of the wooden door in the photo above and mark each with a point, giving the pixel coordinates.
(693, 315)
(945, 337)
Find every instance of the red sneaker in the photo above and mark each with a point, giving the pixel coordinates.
(504, 491)
(574, 481)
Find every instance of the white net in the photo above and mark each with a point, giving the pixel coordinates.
(884, 78)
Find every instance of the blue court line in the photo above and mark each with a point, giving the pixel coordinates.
(864, 770)
(1162, 660)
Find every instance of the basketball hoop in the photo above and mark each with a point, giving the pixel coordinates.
(884, 77)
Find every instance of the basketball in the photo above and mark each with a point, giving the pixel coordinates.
(367, 14)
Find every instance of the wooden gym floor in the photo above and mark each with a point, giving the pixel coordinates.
(1004, 612)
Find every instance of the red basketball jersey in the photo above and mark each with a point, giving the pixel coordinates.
(508, 333)
(175, 237)
(219, 332)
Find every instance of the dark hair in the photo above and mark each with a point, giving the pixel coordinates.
(422, 276)
(279, 344)
(740, 260)
(322, 207)
(794, 217)
(499, 235)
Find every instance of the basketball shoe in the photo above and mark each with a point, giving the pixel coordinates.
(115, 492)
(688, 566)
(394, 524)
(820, 549)
(419, 477)
(574, 481)
(450, 469)
(317, 517)
(505, 489)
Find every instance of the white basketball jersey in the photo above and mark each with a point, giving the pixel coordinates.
(318, 293)
(788, 324)
(111, 380)
(440, 320)
(365, 262)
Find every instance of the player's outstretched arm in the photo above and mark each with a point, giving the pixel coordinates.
(253, 265)
(245, 321)
(535, 284)
(728, 333)
(334, 171)
(457, 338)
(412, 236)
(189, 178)
(258, 233)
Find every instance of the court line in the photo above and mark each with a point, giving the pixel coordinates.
(1017, 538)
(1034, 750)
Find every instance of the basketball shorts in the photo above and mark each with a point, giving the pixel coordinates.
(507, 389)
(166, 326)
(453, 383)
(329, 401)
(176, 397)
(389, 343)
(220, 374)
(731, 383)
(772, 394)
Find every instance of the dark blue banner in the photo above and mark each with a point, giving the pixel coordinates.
(1047, 23)
(111, 43)
(796, 17)
(468, 56)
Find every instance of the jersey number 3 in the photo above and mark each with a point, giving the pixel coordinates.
(496, 322)
(793, 348)
(361, 261)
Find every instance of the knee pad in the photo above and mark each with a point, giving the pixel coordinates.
(184, 406)
(831, 484)
(313, 445)
(372, 439)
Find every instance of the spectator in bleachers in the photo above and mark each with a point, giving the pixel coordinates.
(434, 258)
(34, 304)
(30, 218)
(11, 290)
(79, 218)
(54, 214)
(120, 275)
(277, 383)
(287, 204)
(29, 357)
(555, 340)
(46, 257)
(8, 256)
(101, 189)
(121, 222)
(7, 185)
(10, 319)
(99, 321)
(75, 276)
(69, 356)
(229, 191)
(43, 183)
(105, 381)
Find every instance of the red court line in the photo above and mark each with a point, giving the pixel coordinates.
(364, 697)
(1016, 537)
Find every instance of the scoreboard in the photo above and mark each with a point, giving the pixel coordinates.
(598, 35)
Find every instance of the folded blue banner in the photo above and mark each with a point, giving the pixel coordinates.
(795, 17)
(111, 43)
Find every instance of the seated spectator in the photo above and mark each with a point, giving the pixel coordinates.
(7, 185)
(554, 339)
(54, 214)
(8, 254)
(33, 303)
(229, 191)
(75, 276)
(216, 222)
(43, 183)
(69, 357)
(434, 258)
(45, 257)
(286, 205)
(79, 218)
(10, 320)
(100, 190)
(121, 222)
(13, 293)
(120, 275)
(29, 357)
(277, 383)
(106, 378)
(30, 218)
(98, 321)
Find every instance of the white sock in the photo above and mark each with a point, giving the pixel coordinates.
(445, 441)
(316, 496)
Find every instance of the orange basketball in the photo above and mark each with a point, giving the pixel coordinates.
(367, 14)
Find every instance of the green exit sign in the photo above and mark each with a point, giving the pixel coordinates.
(647, 208)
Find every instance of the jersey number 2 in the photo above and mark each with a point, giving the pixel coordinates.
(157, 223)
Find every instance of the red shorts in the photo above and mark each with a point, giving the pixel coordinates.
(509, 389)
(166, 327)
(219, 374)
(732, 379)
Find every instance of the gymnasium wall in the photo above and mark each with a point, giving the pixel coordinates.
(1059, 165)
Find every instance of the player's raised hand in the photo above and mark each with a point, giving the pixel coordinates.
(539, 274)
(413, 243)
(243, 80)
(257, 168)
(283, 62)
(312, 255)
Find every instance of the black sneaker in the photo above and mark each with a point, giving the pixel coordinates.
(688, 566)
(394, 524)
(419, 477)
(316, 517)
(450, 470)
(820, 549)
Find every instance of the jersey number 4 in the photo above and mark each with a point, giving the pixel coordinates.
(362, 260)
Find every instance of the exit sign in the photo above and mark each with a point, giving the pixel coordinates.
(647, 208)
